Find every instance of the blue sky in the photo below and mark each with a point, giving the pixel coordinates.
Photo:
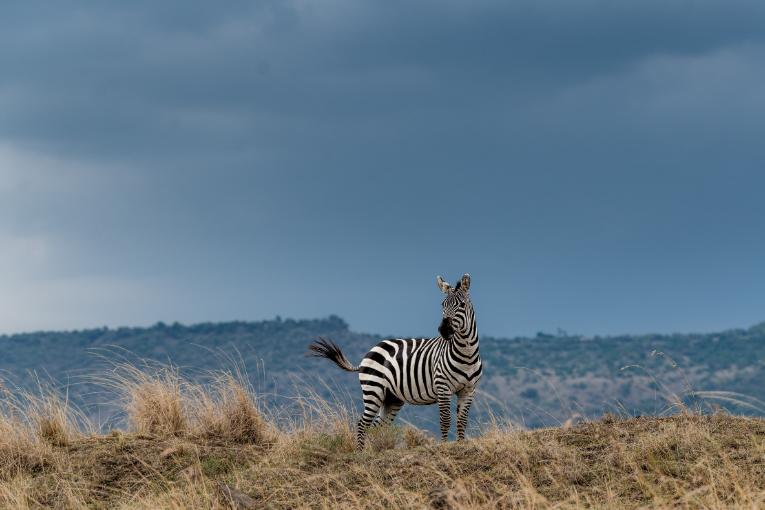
(596, 166)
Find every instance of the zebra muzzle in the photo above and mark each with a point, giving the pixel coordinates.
(445, 329)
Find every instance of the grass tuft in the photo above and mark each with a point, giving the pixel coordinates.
(385, 437)
(153, 398)
(227, 411)
(414, 437)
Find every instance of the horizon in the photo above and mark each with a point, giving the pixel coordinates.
(595, 168)
(560, 333)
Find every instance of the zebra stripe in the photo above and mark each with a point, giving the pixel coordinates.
(419, 371)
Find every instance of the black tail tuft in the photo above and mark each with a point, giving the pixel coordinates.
(323, 348)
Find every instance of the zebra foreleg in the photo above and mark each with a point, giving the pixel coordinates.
(464, 399)
(445, 414)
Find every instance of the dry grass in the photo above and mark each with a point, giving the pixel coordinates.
(690, 461)
(227, 411)
(202, 436)
(153, 398)
(159, 402)
(31, 425)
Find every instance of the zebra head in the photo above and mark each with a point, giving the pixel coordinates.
(457, 308)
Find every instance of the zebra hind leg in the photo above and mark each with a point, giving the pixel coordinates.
(390, 409)
(371, 407)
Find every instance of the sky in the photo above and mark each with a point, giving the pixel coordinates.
(596, 166)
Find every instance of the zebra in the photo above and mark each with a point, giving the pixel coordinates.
(419, 371)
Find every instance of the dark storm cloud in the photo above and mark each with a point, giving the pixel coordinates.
(188, 150)
(147, 77)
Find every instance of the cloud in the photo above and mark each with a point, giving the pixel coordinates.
(28, 173)
(139, 82)
(73, 303)
(211, 150)
(22, 255)
(724, 84)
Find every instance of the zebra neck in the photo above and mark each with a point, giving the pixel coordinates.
(465, 345)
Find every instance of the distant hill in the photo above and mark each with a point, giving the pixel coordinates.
(538, 381)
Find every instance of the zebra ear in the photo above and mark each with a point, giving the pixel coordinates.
(465, 282)
(445, 287)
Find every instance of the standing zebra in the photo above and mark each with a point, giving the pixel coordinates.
(419, 370)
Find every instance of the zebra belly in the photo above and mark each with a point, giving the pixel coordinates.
(412, 397)
(383, 382)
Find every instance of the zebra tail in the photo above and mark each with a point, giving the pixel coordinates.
(323, 348)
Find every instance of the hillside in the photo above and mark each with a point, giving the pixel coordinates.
(540, 381)
(682, 461)
(216, 444)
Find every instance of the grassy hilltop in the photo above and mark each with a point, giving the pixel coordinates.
(212, 446)
(200, 437)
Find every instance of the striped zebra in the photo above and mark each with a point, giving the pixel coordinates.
(419, 370)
